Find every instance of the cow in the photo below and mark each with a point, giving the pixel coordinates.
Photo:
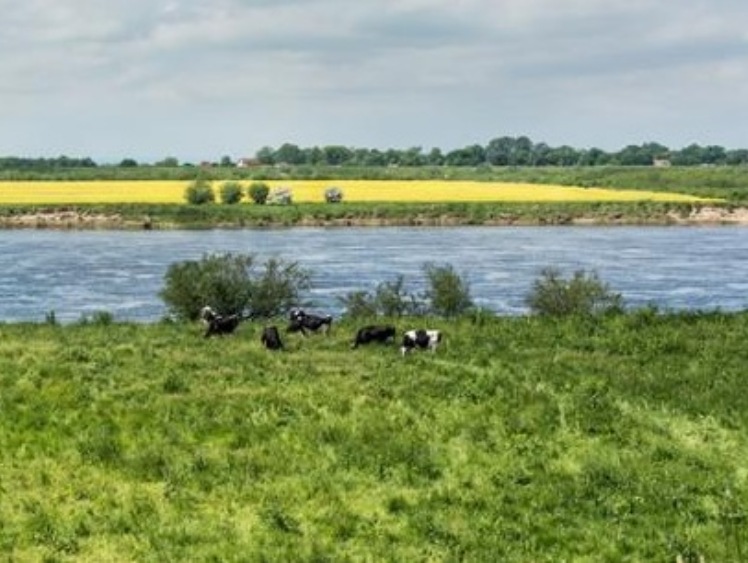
(271, 338)
(300, 321)
(420, 338)
(374, 333)
(219, 324)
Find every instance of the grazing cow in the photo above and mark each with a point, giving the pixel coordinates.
(303, 322)
(219, 324)
(420, 338)
(374, 333)
(271, 338)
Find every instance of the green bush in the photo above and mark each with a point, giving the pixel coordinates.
(258, 192)
(389, 300)
(447, 295)
(583, 294)
(447, 292)
(393, 301)
(232, 284)
(199, 192)
(231, 193)
(359, 304)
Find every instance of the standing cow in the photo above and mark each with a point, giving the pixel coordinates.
(271, 339)
(374, 333)
(301, 321)
(420, 338)
(219, 325)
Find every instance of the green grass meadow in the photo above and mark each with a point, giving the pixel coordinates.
(521, 439)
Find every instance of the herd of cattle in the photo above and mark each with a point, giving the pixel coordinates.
(305, 323)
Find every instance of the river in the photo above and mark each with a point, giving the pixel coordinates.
(78, 273)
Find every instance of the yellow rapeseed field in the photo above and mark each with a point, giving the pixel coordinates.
(313, 191)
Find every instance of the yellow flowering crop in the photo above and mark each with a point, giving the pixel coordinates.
(125, 191)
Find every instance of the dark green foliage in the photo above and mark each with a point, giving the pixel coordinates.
(447, 292)
(231, 192)
(582, 294)
(221, 281)
(258, 192)
(447, 295)
(199, 192)
(390, 299)
(277, 288)
(232, 284)
(359, 304)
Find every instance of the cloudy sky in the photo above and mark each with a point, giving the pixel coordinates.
(200, 79)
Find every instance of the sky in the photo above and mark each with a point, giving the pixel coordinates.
(202, 79)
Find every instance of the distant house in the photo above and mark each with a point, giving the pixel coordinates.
(247, 162)
(660, 162)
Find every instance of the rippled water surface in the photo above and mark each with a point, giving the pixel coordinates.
(76, 273)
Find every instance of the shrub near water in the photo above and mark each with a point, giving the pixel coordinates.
(617, 438)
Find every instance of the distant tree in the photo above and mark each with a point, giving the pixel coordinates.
(168, 162)
(499, 151)
(692, 155)
(473, 155)
(289, 153)
(226, 162)
(266, 155)
(563, 156)
(336, 154)
(435, 157)
(128, 163)
(735, 157)
(412, 157)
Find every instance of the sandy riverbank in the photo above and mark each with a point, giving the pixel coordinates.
(73, 219)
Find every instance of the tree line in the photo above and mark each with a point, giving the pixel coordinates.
(501, 151)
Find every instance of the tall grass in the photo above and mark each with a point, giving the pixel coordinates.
(620, 438)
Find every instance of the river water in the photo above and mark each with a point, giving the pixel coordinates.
(78, 273)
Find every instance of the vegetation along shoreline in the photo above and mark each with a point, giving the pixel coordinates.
(175, 216)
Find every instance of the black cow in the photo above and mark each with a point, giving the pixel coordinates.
(374, 333)
(271, 338)
(300, 321)
(219, 324)
(420, 338)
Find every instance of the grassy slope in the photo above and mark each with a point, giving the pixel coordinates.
(623, 439)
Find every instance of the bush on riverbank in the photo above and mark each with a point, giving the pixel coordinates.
(615, 438)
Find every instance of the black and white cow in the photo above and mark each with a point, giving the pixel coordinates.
(301, 321)
(219, 324)
(420, 338)
(271, 339)
(374, 333)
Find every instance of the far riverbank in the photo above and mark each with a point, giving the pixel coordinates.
(182, 216)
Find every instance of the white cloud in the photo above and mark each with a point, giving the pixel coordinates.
(385, 73)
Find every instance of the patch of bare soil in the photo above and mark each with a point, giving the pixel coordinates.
(712, 216)
(67, 220)
(71, 219)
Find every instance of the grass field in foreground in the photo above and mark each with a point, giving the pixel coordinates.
(618, 439)
(308, 191)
